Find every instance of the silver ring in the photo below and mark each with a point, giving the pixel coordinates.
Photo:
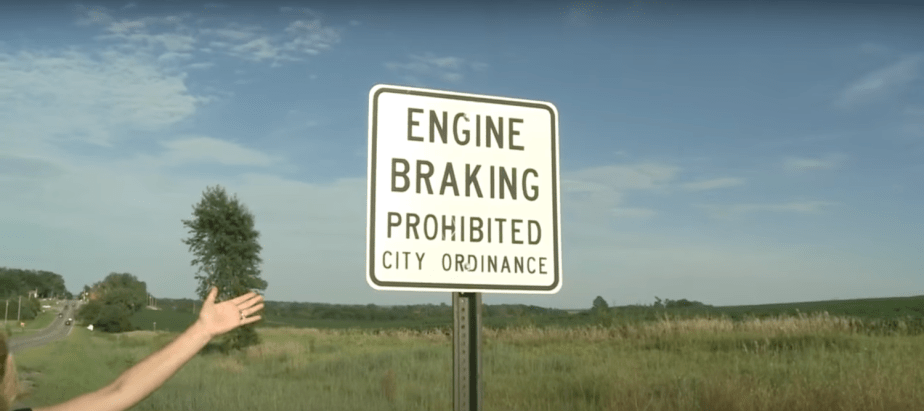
(242, 314)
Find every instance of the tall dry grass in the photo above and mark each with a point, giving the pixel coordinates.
(807, 362)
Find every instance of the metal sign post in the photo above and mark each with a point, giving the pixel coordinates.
(468, 390)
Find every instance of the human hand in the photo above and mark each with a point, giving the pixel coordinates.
(217, 319)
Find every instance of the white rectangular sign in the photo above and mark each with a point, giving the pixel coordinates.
(463, 193)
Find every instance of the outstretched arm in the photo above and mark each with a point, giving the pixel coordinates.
(136, 383)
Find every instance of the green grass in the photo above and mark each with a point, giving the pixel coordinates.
(867, 308)
(167, 320)
(44, 319)
(782, 363)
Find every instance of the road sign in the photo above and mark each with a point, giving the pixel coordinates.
(463, 193)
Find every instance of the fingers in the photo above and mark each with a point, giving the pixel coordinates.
(253, 319)
(254, 308)
(248, 298)
(211, 296)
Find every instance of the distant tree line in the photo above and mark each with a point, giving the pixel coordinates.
(369, 312)
(16, 282)
(681, 303)
(18, 285)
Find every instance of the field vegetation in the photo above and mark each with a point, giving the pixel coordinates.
(41, 320)
(676, 361)
(883, 316)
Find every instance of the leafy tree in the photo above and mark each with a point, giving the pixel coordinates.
(227, 254)
(124, 289)
(600, 305)
(89, 313)
(122, 297)
(31, 307)
(112, 302)
(16, 282)
(114, 318)
(10, 284)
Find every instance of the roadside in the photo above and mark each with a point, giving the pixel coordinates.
(45, 328)
(42, 321)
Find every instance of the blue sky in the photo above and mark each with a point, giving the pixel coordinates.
(732, 154)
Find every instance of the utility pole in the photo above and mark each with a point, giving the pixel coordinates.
(7, 310)
(20, 309)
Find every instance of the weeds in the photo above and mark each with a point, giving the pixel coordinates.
(800, 362)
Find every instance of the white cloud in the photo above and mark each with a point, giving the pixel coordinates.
(126, 26)
(305, 36)
(256, 49)
(200, 66)
(882, 82)
(300, 37)
(76, 96)
(310, 36)
(739, 210)
(594, 195)
(124, 215)
(233, 32)
(713, 184)
(172, 57)
(299, 12)
(829, 162)
(210, 150)
(451, 63)
(172, 42)
(92, 15)
(448, 68)
(642, 176)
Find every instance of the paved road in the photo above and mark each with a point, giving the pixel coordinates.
(53, 332)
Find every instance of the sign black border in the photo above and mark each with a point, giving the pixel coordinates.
(371, 216)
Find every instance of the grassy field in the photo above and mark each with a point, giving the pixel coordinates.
(804, 362)
(166, 320)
